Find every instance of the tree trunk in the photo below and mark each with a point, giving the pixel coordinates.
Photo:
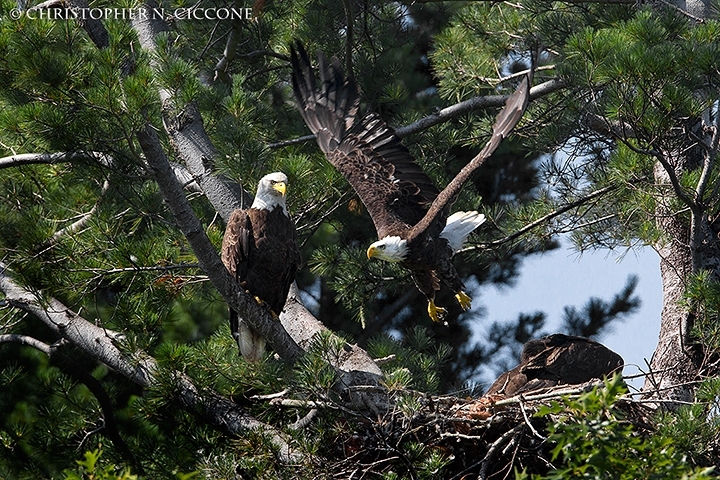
(672, 364)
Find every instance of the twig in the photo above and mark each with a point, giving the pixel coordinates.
(492, 451)
(554, 394)
(293, 141)
(270, 396)
(59, 157)
(304, 421)
(544, 218)
(527, 421)
(384, 360)
(78, 224)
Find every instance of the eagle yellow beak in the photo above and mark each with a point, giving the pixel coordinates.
(280, 187)
(371, 251)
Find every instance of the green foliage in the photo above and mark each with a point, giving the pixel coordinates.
(694, 429)
(702, 298)
(593, 439)
(416, 362)
(90, 469)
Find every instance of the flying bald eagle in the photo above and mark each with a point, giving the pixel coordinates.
(556, 360)
(412, 218)
(260, 251)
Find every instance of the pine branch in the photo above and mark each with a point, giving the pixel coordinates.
(475, 103)
(78, 224)
(93, 26)
(292, 141)
(545, 218)
(51, 158)
(228, 55)
(140, 368)
(181, 173)
(186, 131)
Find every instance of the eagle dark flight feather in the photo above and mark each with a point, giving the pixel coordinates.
(382, 171)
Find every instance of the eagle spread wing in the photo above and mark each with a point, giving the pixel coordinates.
(392, 186)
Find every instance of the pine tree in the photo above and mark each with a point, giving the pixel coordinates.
(127, 143)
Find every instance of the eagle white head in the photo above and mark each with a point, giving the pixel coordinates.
(271, 192)
(390, 249)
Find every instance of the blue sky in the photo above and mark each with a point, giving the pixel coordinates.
(563, 277)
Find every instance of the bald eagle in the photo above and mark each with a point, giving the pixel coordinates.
(260, 251)
(412, 218)
(556, 360)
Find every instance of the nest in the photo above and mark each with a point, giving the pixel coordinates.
(484, 438)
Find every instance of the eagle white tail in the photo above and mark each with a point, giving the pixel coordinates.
(458, 227)
(252, 345)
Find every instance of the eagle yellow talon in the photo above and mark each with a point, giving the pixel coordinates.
(464, 300)
(264, 304)
(436, 313)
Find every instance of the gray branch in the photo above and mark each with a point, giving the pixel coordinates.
(475, 103)
(50, 158)
(26, 340)
(448, 113)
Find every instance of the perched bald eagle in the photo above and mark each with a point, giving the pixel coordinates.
(556, 360)
(412, 218)
(260, 251)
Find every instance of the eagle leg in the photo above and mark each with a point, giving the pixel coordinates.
(436, 313)
(464, 300)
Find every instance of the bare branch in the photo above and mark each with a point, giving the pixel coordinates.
(26, 340)
(228, 55)
(78, 224)
(555, 213)
(475, 103)
(50, 158)
(447, 113)
(293, 141)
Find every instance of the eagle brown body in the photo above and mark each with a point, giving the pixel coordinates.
(255, 251)
(260, 251)
(556, 360)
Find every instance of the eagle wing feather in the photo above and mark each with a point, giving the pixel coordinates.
(382, 171)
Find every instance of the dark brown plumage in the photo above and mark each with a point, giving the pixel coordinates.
(556, 360)
(411, 217)
(260, 251)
